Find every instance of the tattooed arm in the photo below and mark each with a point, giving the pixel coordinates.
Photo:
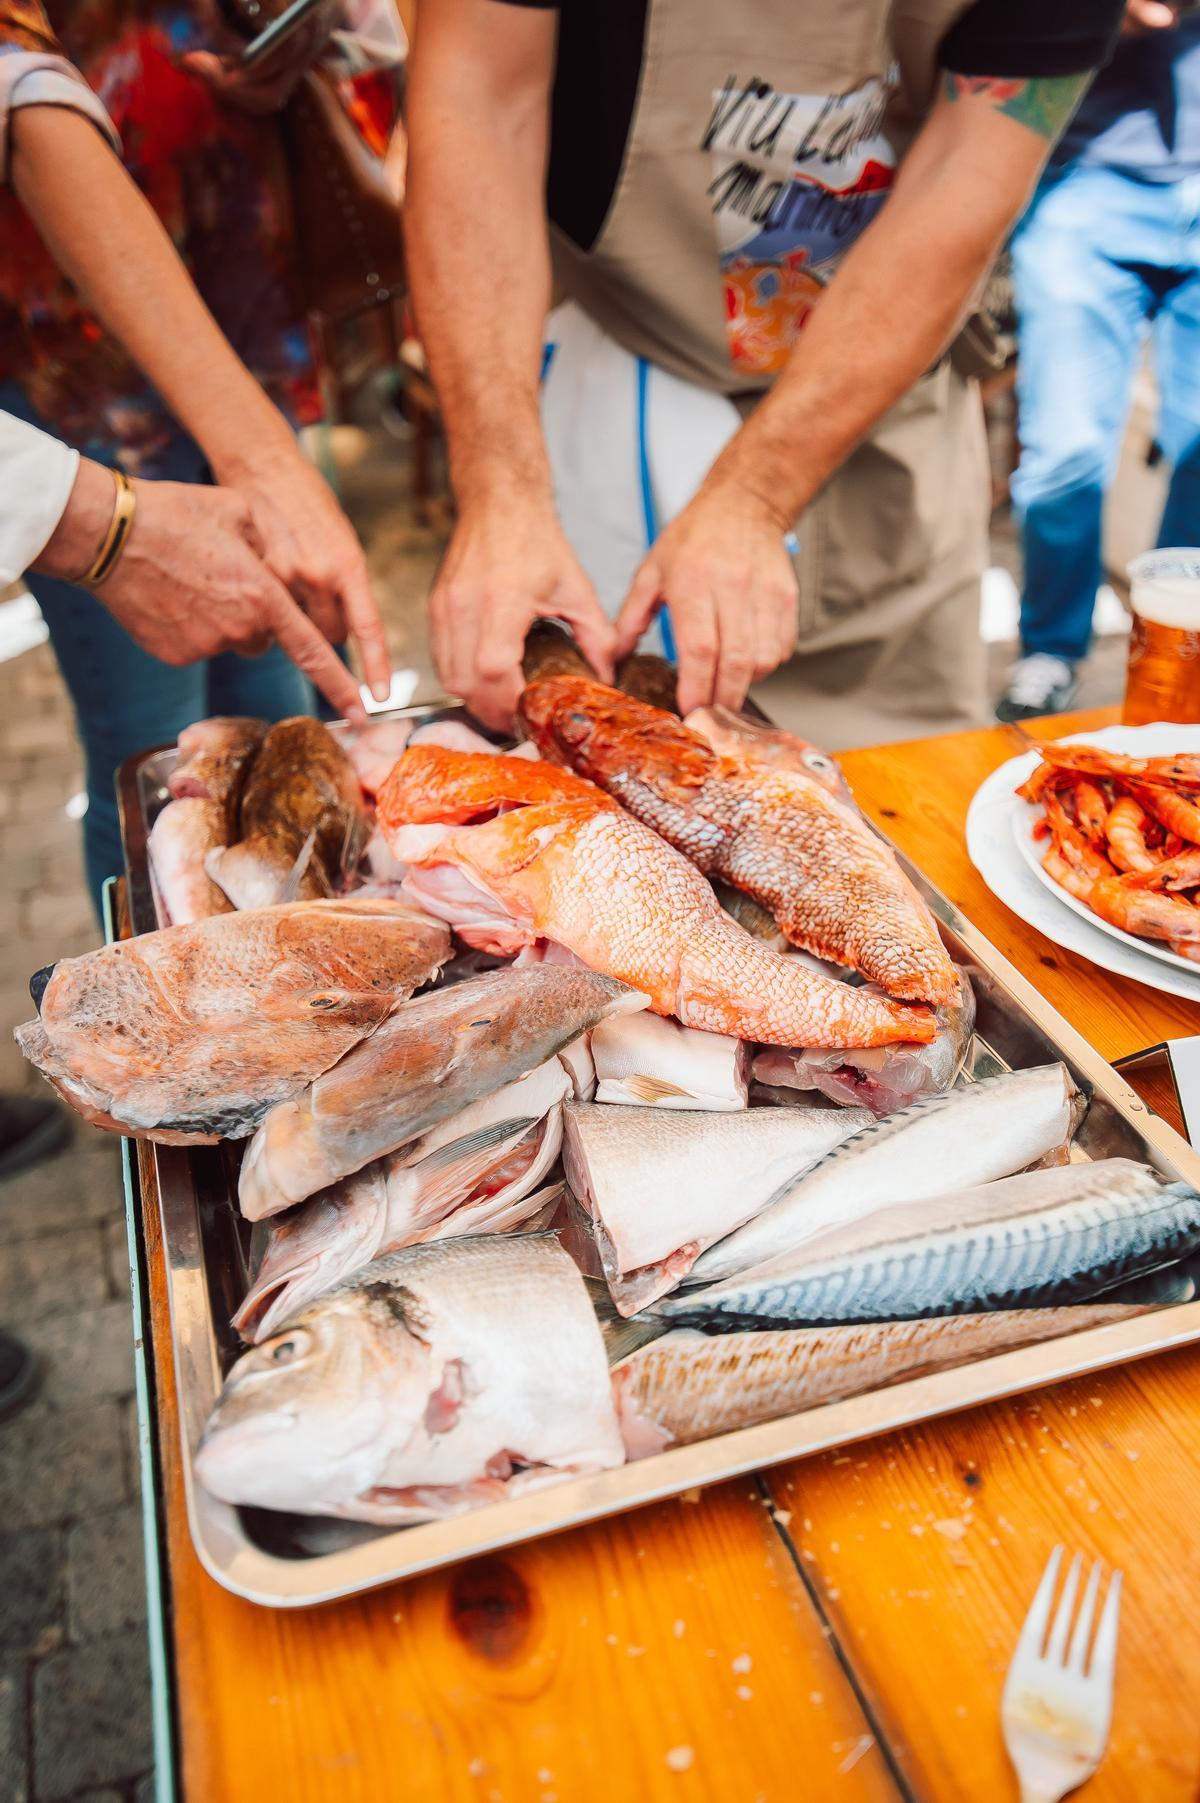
(897, 301)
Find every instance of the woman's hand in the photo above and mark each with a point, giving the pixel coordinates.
(265, 86)
(191, 581)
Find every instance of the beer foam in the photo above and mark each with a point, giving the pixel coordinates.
(1165, 588)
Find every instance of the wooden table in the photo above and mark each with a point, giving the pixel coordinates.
(837, 1629)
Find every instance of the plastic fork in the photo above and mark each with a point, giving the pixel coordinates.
(1057, 1703)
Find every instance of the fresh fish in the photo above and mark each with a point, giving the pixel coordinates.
(444, 1377)
(645, 677)
(302, 820)
(180, 840)
(738, 736)
(648, 1059)
(475, 1173)
(452, 735)
(432, 1058)
(193, 1033)
(550, 650)
(933, 1147)
(660, 1187)
(374, 748)
(565, 863)
(690, 1386)
(214, 756)
(576, 1059)
(832, 884)
(755, 919)
(881, 1078)
(1058, 1235)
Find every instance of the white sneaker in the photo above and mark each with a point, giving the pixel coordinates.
(1037, 684)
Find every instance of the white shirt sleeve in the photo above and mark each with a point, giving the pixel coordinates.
(37, 474)
(36, 78)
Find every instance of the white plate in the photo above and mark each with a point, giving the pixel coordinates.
(994, 820)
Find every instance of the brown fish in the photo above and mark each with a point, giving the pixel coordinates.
(214, 756)
(193, 1033)
(833, 886)
(648, 678)
(550, 650)
(302, 820)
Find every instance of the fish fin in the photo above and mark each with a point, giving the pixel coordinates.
(290, 888)
(482, 1140)
(621, 1336)
(651, 1089)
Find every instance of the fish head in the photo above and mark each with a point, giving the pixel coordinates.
(308, 1250)
(39, 982)
(610, 737)
(308, 1418)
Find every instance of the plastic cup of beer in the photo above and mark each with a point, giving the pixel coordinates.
(1163, 682)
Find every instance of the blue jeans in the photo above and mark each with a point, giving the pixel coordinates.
(125, 700)
(1101, 261)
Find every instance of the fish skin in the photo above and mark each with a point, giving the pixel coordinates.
(646, 677)
(420, 1389)
(1056, 1235)
(434, 1057)
(689, 1386)
(881, 1078)
(214, 756)
(192, 1033)
(179, 841)
(736, 735)
(936, 1145)
(834, 887)
(550, 650)
(649, 1058)
(302, 820)
(537, 872)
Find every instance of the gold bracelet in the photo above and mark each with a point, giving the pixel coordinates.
(117, 536)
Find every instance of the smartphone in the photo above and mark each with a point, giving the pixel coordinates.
(278, 31)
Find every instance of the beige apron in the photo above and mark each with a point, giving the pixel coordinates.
(696, 269)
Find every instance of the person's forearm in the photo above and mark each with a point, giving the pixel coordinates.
(900, 295)
(104, 235)
(478, 259)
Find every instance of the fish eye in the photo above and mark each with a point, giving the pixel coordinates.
(819, 761)
(287, 1348)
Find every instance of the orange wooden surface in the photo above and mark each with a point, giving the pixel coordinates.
(676, 1652)
(926, 1546)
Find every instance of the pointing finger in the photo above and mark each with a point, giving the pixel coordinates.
(311, 652)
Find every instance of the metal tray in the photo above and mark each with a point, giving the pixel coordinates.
(290, 1561)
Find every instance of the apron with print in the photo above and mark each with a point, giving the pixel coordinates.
(765, 138)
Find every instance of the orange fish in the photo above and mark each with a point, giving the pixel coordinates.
(565, 863)
(833, 886)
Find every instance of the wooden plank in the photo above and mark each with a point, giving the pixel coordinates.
(926, 1546)
(671, 1653)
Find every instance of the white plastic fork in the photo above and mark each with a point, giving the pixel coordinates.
(1057, 1704)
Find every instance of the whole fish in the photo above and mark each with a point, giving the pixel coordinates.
(214, 756)
(737, 735)
(193, 1033)
(302, 820)
(660, 1187)
(1056, 1235)
(933, 1147)
(648, 1059)
(690, 1386)
(432, 1058)
(444, 1377)
(832, 884)
(473, 1173)
(565, 863)
(180, 839)
(881, 1078)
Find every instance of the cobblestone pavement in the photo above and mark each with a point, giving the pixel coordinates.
(74, 1702)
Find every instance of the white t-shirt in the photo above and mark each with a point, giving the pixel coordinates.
(37, 474)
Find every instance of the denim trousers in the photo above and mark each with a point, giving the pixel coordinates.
(1102, 262)
(124, 699)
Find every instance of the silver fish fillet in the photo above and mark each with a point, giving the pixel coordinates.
(881, 1078)
(429, 1060)
(659, 1187)
(1052, 1236)
(690, 1386)
(473, 1173)
(934, 1146)
(652, 1060)
(445, 1377)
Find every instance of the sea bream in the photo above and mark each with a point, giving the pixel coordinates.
(565, 863)
(935, 1146)
(659, 1187)
(834, 887)
(193, 1033)
(689, 1386)
(444, 1377)
(433, 1058)
(1057, 1235)
(473, 1173)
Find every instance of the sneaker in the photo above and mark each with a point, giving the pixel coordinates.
(31, 1128)
(1037, 684)
(18, 1375)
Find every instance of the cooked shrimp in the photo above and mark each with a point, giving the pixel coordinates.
(1181, 771)
(1146, 911)
(1125, 830)
(1178, 813)
(1074, 846)
(1091, 810)
(1180, 872)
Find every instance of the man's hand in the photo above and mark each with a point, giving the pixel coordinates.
(1148, 15)
(722, 569)
(190, 582)
(508, 565)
